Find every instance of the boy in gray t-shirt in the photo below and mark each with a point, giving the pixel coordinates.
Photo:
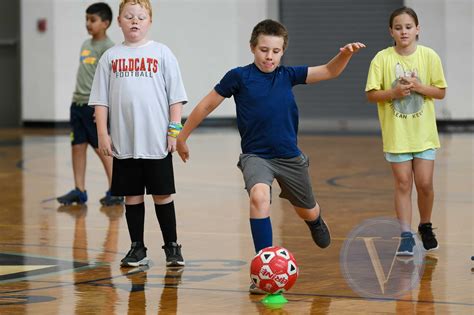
(83, 128)
(138, 89)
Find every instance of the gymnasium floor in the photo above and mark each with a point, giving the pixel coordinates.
(65, 260)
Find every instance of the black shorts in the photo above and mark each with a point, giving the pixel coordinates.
(130, 177)
(83, 127)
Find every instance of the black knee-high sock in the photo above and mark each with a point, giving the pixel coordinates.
(135, 215)
(167, 219)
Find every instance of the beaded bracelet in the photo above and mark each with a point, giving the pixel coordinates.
(174, 128)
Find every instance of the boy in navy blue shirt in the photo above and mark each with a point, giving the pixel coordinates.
(267, 119)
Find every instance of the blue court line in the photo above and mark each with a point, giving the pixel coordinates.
(334, 180)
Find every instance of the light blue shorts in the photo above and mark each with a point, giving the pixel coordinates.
(429, 154)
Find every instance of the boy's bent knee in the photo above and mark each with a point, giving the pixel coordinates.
(260, 192)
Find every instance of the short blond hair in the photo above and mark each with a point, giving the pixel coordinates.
(143, 3)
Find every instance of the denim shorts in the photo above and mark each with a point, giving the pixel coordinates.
(429, 154)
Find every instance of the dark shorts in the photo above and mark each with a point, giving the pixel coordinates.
(291, 174)
(83, 128)
(130, 177)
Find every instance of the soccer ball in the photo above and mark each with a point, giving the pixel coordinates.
(274, 270)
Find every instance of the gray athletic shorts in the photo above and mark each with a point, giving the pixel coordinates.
(291, 174)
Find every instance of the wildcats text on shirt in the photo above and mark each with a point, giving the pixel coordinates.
(134, 67)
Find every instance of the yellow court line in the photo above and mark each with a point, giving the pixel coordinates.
(6, 270)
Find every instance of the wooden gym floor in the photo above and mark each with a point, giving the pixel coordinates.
(65, 260)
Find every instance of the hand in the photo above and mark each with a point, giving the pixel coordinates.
(171, 144)
(413, 81)
(351, 48)
(182, 149)
(105, 145)
(403, 88)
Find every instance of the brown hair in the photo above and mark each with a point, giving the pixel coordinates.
(269, 27)
(143, 3)
(400, 11)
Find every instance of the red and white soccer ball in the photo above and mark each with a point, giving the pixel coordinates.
(274, 270)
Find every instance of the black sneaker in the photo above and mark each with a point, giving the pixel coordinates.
(109, 200)
(74, 196)
(320, 232)
(427, 236)
(173, 255)
(136, 256)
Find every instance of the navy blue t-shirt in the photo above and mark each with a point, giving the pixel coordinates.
(267, 115)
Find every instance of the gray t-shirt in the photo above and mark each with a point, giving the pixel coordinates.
(91, 51)
(138, 85)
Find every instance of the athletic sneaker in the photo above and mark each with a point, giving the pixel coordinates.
(407, 243)
(320, 232)
(109, 200)
(136, 256)
(74, 196)
(173, 255)
(253, 289)
(427, 236)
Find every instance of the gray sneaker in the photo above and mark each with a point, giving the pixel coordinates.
(320, 232)
(253, 289)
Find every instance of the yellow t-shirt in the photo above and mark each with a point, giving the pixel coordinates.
(408, 124)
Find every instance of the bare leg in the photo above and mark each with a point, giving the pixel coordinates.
(423, 170)
(162, 199)
(260, 223)
(403, 176)
(260, 201)
(134, 200)
(308, 214)
(79, 159)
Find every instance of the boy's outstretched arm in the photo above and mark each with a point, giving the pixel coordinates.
(203, 108)
(335, 66)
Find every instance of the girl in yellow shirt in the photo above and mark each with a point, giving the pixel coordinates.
(403, 80)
